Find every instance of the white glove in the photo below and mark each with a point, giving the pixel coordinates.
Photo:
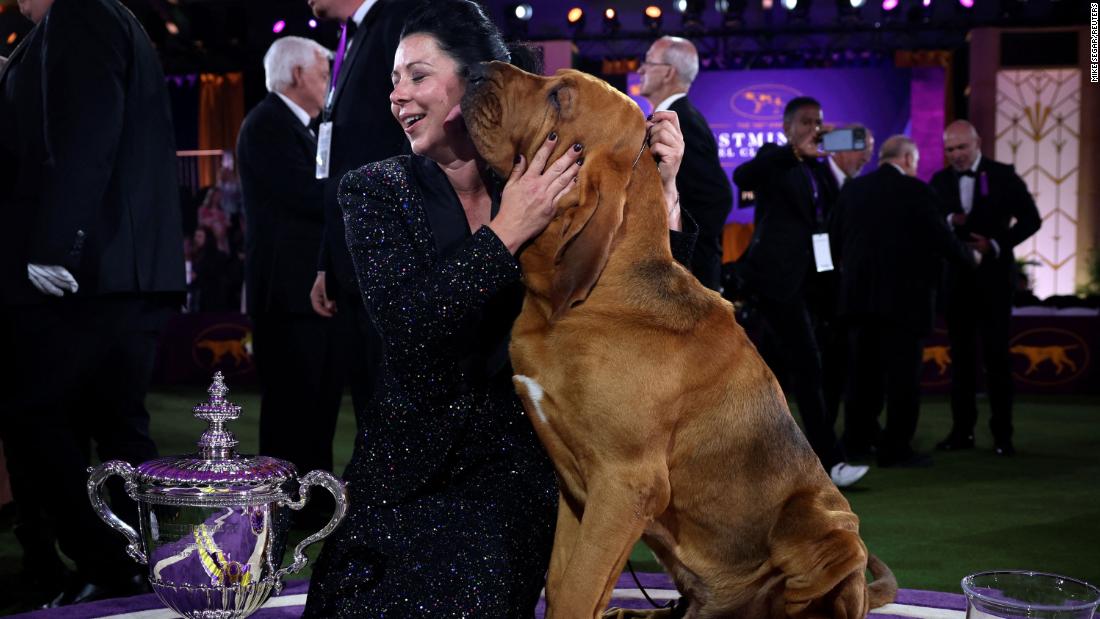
(52, 280)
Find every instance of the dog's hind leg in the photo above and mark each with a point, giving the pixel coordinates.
(619, 505)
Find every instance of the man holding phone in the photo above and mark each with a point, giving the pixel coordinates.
(788, 252)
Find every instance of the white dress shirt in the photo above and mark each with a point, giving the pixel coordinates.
(667, 103)
(966, 187)
(837, 173)
(294, 107)
(358, 17)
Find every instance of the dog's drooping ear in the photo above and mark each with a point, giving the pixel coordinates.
(587, 232)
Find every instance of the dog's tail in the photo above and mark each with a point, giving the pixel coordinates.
(884, 588)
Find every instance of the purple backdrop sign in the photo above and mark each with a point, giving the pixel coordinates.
(745, 108)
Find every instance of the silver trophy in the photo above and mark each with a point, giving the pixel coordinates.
(214, 525)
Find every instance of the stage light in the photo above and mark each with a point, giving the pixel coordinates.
(518, 16)
(575, 18)
(926, 3)
(312, 24)
(172, 28)
(611, 22)
(790, 5)
(279, 26)
(889, 5)
(681, 5)
(767, 4)
(966, 4)
(855, 4)
(12, 37)
(523, 12)
(651, 17)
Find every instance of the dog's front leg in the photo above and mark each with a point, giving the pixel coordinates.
(565, 538)
(617, 509)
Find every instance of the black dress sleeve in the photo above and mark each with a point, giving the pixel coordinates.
(417, 300)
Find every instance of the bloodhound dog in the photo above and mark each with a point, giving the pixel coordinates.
(660, 417)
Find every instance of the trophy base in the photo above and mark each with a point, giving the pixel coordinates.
(229, 602)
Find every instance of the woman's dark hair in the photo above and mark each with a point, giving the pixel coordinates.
(466, 34)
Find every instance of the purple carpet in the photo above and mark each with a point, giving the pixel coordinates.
(910, 603)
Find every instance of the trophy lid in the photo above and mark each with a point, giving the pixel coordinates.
(217, 474)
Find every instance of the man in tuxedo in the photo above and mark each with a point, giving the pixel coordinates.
(989, 207)
(831, 335)
(91, 268)
(300, 388)
(889, 239)
(779, 267)
(362, 131)
(669, 68)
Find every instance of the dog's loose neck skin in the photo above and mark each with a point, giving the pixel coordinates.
(642, 237)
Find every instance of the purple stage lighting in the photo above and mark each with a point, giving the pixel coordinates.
(313, 23)
(926, 3)
(968, 4)
(279, 26)
(889, 5)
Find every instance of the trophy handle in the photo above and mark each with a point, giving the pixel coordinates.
(99, 475)
(334, 486)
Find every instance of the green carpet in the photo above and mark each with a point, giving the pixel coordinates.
(971, 511)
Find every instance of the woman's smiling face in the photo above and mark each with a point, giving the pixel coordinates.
(426, 94)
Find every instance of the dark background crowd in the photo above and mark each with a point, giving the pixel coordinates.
(840, 284)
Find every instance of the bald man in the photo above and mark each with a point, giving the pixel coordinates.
(889, 238)
(670, 67)
(991, 209)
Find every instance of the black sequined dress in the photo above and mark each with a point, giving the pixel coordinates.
(453, 499)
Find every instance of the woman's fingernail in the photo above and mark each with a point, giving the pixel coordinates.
(580, 161)
(553, 136)
(577, 147)
(650, 117)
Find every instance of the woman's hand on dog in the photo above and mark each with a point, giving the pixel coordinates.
(531, 195)
(666, 142)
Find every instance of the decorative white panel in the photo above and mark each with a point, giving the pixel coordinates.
(1038, 131)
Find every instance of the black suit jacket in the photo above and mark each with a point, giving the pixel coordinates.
(780, 256)
(889, 240)
(705, 192)
(283, 208)
(363, 129)
(1006, 198)
(93, 158)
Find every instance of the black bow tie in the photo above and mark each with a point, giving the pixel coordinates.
(970, 173)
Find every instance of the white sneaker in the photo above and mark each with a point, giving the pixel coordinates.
(844, 474)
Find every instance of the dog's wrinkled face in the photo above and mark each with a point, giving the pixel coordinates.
(509, 111)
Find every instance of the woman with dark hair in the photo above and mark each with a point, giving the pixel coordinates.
(452, 498)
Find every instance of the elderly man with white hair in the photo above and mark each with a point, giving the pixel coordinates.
(670, 67)
(889, 239)
(283, 204)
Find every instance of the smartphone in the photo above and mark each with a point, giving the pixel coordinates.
(844, 139)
